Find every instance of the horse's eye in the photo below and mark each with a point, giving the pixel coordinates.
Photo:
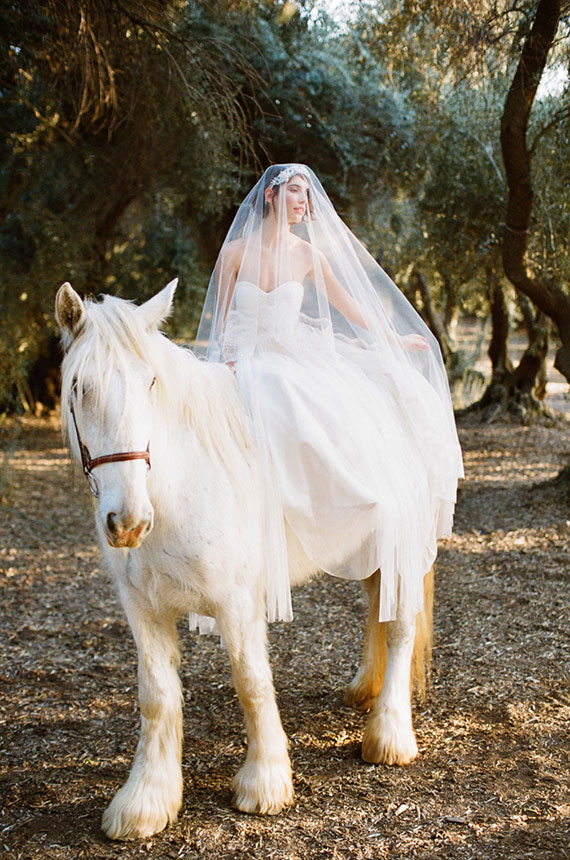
(152, 383)
(78, 391)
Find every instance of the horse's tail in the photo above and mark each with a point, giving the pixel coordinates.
(420, 670)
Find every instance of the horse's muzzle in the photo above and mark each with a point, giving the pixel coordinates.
(120, 536)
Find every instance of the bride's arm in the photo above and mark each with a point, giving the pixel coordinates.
(351, 309)
(338, 296)
(226, 276)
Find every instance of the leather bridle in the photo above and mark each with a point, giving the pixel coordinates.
(89, 463)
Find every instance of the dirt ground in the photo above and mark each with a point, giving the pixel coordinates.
(492, 778)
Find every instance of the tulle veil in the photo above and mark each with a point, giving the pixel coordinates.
(352, 314)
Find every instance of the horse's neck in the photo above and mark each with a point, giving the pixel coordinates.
(203, 408)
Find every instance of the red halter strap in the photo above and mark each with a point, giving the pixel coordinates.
(88, 464)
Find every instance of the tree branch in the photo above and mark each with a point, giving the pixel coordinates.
(545, 293)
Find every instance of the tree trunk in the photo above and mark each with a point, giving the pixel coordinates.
(529, 377)
(409, 289)
(105, 224)
(450, 311)
(514, 392)
(499, 344)
(538, 329)
(420, 284)
(41, 391)
(544, 292)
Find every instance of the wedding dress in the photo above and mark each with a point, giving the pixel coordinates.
(360, 452)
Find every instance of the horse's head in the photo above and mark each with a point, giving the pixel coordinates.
(108, 386)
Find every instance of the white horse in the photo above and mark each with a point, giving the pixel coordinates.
(179, 522)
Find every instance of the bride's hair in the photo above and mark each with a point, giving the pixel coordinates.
(272, 173)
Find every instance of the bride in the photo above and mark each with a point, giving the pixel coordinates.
(345, 389)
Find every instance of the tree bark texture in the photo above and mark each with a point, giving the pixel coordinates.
(545, 293)
(450, 310)
(499, 343)
(516, 391)
(529, 377)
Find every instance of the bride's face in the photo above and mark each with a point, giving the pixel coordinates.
(296, 199)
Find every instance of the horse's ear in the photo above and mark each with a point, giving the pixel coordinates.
(69, 313)
(155, 310)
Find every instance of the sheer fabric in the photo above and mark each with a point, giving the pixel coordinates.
(345, 388)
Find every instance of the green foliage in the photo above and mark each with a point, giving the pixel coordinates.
(461, 207)
(549, 249)
(82, 185)
(130, 132)
(125, 179)
(323, 105)
(455, 63)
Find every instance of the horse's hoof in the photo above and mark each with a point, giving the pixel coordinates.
(264, 789)
(133, 815)
(388, 740)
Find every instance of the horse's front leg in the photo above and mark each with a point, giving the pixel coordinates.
(264, 783)
(389, 736)
(152, 795)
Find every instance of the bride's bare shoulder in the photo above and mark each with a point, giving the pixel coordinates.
(302, 246)
(232, 252)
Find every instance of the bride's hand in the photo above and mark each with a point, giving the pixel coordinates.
(414, 342)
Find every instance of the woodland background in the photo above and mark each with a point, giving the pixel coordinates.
(129, 132)
(131, 129)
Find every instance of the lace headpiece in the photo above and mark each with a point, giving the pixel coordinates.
(287, 173)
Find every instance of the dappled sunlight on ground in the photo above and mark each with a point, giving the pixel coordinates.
(491, 780)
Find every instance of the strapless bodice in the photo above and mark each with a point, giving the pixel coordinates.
(259, 318)
(248, 295)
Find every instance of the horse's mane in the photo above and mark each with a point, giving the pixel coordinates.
(202, 394)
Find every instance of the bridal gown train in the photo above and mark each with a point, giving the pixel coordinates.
(362, 458)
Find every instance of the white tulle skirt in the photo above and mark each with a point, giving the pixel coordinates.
(362, 462)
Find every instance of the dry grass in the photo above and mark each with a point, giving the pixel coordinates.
(492, 778)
